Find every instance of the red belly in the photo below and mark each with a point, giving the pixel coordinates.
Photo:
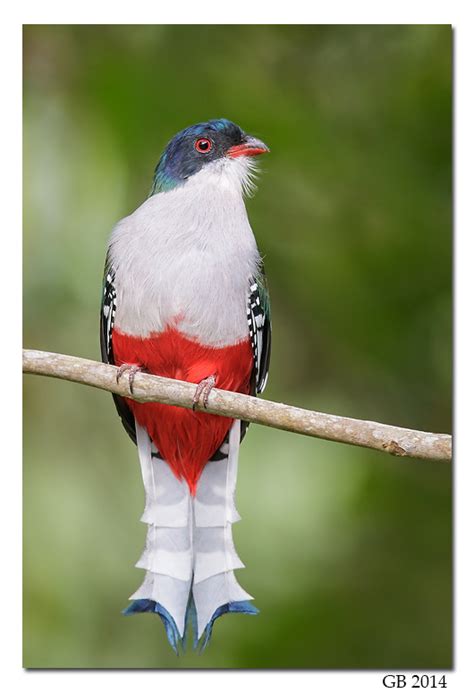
(185, 439)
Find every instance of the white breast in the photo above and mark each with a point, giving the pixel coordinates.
(185, 258)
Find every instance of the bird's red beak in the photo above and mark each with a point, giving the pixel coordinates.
(251, 146)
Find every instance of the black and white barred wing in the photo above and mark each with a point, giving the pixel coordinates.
(260, 331)
(107, 317)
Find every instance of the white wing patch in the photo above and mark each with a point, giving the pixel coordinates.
(256, 322)
(109, 307)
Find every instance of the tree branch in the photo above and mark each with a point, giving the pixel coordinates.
(402, 442)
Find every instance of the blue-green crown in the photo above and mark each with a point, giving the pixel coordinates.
(180, 160)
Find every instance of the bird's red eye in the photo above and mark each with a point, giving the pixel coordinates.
(203, 145)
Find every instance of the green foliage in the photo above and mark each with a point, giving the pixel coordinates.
(348, 551)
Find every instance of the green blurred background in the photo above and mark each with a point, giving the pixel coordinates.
(348, 551)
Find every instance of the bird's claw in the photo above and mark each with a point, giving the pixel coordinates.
(204, 388)
(132, 371)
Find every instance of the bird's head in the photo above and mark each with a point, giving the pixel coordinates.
(216, 147)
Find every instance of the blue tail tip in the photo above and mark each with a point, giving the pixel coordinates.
(141, 606)
(243, 607)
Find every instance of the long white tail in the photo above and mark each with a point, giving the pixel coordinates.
(190, 556)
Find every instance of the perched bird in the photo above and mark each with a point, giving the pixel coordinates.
(185, 297)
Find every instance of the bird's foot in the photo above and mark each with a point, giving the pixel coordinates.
(204, 388)
(132, 370)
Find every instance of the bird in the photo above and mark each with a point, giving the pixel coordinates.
(185, 296)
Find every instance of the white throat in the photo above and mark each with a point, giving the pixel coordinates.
(184, 258)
